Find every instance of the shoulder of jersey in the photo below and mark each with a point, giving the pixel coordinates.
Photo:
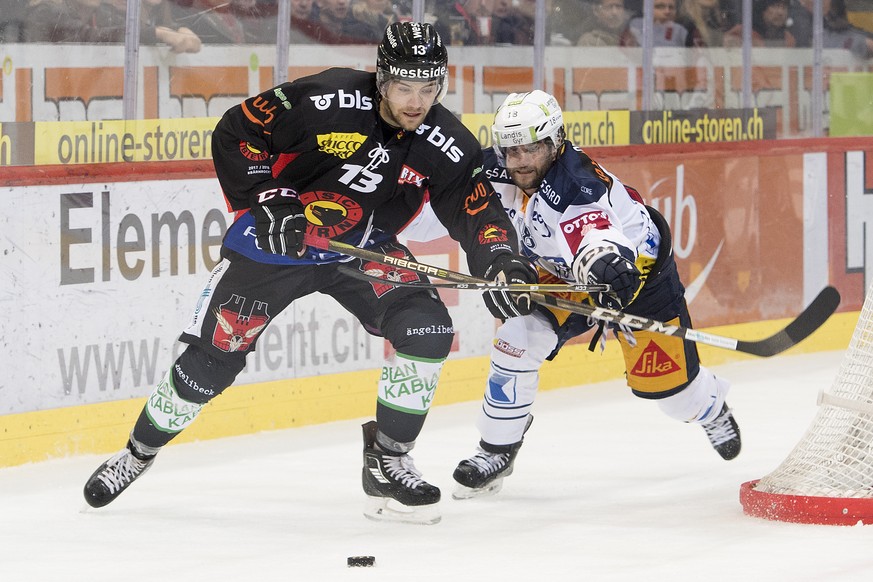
(494, 171)
(338, 89)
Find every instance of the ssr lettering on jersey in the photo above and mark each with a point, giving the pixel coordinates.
(576, 228)
(436, 137)
(499, 174)
(549, 193)
(344, 101)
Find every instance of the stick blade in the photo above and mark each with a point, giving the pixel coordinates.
(812, 318)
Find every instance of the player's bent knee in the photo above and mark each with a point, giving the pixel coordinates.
(198, 376)
(420, 327)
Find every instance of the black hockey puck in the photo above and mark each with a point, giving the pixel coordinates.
(361, 561)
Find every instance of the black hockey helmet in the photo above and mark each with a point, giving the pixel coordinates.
(412, 51)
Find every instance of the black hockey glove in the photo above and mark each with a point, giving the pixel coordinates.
(279, 222)
(605, 265)
(510, 269)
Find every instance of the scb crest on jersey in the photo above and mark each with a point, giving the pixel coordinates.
(236, 328)
(330, 214)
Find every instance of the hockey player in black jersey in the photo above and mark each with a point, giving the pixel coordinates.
(351, 156)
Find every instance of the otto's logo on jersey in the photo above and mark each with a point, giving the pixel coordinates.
(575, 229)
(492, 234)
(251, 152)
(410, 176)
(330, 214)
(344, 101)
(436, 137)
(235, 329)
(654, 362)
(388, 273)
(341, 145)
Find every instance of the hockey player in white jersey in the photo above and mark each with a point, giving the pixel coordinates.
(579, 224)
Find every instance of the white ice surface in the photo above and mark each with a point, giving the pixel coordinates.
(605, 488)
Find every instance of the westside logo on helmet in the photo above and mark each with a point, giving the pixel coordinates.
(418, 73)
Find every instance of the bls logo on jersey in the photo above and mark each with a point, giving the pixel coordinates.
(344, 100)
(234, 330)
(437, 138)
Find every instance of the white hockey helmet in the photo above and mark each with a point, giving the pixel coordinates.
(525, 118)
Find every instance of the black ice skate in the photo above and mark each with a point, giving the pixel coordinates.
(724, 434)
(116, 475)
(394, 487)
(483, 473)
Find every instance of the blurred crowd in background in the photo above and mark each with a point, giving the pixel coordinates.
(186, 25)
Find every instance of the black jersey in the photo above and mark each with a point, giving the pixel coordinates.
(322, 137)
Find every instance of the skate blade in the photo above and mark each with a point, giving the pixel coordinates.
(461, 492)
(387, 509)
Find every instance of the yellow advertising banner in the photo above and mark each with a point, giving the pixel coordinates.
(148, 140)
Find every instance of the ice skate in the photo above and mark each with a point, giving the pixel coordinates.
(483, 473)
(394, 487)
(116, 475)
(724, 434)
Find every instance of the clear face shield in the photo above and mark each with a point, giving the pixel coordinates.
(403, 92)
(517, 142)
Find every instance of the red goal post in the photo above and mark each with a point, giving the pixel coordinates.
(828, 477)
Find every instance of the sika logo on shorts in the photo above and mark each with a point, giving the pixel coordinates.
(251, 152)
(654, 362)
(236, 329)
(389, 273)
(329, 214)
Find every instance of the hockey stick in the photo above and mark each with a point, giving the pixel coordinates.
(809, 320)
(484, 286)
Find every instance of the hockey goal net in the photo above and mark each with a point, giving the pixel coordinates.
(828, 477)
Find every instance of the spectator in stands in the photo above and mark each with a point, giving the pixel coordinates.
(769, 26)
(704, 21)
(605, 29)
(665, 30)
(215, 21)
(12, 21)
(304, 28)
(800, 22)
(339, 26)
(566, 18)
(69, 21)
(465, 22)
(156, 24)
(839, 32)
(376, 14)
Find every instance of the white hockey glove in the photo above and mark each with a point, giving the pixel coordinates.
(605, 265)
(510, 269)
(279, 222)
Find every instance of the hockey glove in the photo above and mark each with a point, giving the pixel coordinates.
(605, 265)
(279, 222)
(510, 269)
